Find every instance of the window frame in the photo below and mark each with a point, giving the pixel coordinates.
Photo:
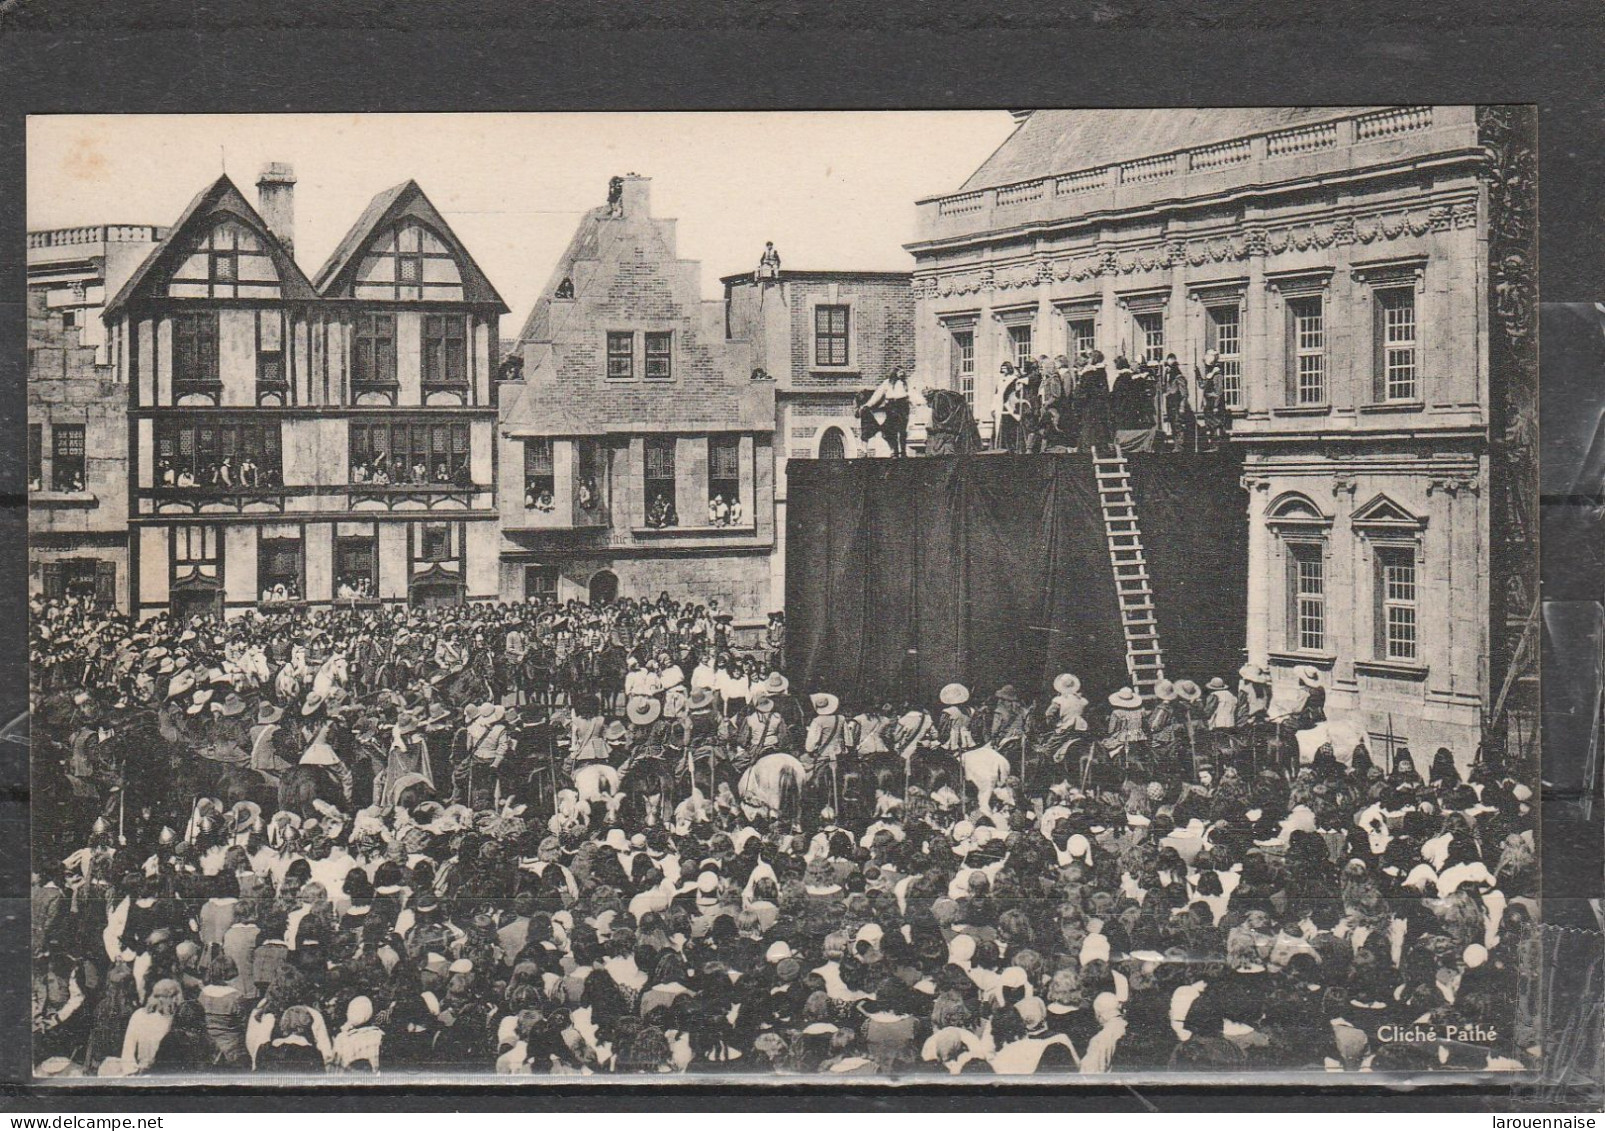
(65, 460)
(443, 360)
(728, 447)
(664, 355)
(1231, 364)
(261, 439)
(1390, 557)
(63, 576)
(196, 364)
(1015, 338)
(830, 337)
(1299, 353)
(419, 437)
(36, 455)
(1386, 301)
(374, 329)
(540, 472)
(344, 544)
(1074, 339)
(428, 532)
(535, 570)
(266, 578)
(1142, 333)
(961, 360)
(270, 370)
(653, 484)
(217, 257)
(1306, 559)
(612, 355)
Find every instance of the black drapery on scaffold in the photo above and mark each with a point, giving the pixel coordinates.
(902, 575)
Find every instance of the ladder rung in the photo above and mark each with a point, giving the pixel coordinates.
(1132, 622)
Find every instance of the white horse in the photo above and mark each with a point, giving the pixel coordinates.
(287, 684)
(334, 672)
(986, 770)
(597, 783)
(1343, 734)
(774, 782)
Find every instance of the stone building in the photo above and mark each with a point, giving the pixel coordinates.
(822, 337)
(78, 412)
(308, 441)
(1346, 263)
(627, 412)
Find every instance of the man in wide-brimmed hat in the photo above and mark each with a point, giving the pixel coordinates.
(825, 741)
(1222, 704)
(763, 732)
(1166, 729)
(953, 722)
(1067, 709)
(1127, 731)
(786, 705)
(1005, 725)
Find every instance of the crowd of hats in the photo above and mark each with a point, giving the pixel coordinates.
(1229, 924)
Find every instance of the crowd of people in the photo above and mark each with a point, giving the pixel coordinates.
(1054, 405)
(613, 839)
(221, 473)
(395, 471)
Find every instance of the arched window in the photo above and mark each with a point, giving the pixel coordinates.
(1303, 533)
(604, 587)
(833, 445)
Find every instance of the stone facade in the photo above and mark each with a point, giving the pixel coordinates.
(1338, 258)
(816, 374)
(78, 412)
(228, 353)
(625, 390)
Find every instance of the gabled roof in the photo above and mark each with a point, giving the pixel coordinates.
(1050, 142)
(585, 244)
(220, 197)
(334, 279)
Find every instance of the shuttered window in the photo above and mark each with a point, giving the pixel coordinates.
(1223, 333)
(1394, 334)
(195, 350)
(373, 354)
(724, 468)
(1306, 351)
(445, 351)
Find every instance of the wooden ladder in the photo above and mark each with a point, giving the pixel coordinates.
(1145, 662)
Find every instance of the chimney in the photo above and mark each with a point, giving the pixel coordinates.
(275, 200)
(637, 199)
